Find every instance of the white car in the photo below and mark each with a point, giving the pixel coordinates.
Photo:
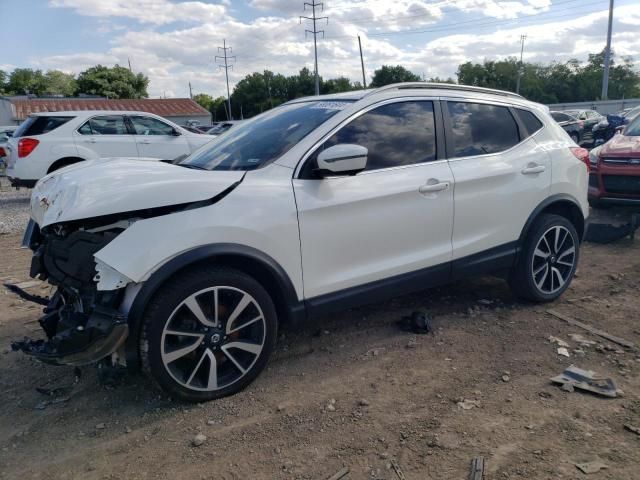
(187, 270)
(45, 142)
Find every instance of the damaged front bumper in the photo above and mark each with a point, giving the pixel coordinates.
(81, 320)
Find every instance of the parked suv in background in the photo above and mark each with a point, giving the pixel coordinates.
(615, 168)
(45, 142)
(186, 270)
(570, 124)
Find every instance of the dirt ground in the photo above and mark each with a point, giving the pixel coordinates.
(395, 394)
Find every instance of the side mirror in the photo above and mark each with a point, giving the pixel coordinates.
(175, 133)
(343, 159)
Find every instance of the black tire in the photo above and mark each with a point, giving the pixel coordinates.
(523, 282)
(167, 306)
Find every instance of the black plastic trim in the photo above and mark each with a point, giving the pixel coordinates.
(559, 197)
(295, 308)
(379, 290)
(500, 258)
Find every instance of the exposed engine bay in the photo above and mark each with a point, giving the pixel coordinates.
(81, 323)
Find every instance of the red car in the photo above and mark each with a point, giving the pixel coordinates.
(615, 168)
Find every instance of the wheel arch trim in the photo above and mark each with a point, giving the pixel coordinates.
(291, 306)
(560, 199)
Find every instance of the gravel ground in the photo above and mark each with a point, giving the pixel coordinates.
(14, 208)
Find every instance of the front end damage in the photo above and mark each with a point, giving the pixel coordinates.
(81, 319)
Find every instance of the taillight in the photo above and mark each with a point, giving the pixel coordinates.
(581, 154)
(26, 146)
(3, 152)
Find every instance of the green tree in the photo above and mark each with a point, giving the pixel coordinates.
(388, 74)
(337, 85)
(204, 100)
(115, 82)
(59, 83)
(3, 82)
(26, 80)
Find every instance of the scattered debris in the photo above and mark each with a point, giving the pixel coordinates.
(363, 402)
(595, 331)
(468, 404)
(576, 337)
(417, 322)
(331, 406)
(591, 467)
(13, 288)
(559, 341)
(340, 474)
(397, 469)
(575, 377)
(506, 378)
(563, 351)
(478, 466)
(198, 440)
(632, 428)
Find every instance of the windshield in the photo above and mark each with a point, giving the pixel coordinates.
(262, 140)
(633, 130)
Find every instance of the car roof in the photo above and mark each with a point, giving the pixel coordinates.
(78, 113)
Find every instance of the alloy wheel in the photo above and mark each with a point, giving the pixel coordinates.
(553, 259)
(213, 338)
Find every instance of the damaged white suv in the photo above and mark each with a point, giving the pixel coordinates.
(186, 270)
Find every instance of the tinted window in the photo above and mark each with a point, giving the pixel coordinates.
(38, 125)
(530, 121)
(633, 130)
(560, 117)
(104, 125)
(395, 134)
(478, 129)
(150, 126)
(257, 142)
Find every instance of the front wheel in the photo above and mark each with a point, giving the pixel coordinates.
(548, 260)
(208, 333)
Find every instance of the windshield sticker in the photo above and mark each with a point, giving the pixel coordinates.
(331, 105)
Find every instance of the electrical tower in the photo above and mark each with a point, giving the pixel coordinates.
(520, 66)
(226, 67)
(313, 4)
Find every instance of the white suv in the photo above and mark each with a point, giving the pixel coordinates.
(186, 270)
(45, 142)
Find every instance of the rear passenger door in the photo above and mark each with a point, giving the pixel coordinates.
(107, 135)
(501, 175)
(156, 139)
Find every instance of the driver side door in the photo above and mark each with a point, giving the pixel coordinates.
(386, 230)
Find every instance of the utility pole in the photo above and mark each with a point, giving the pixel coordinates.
(226, 67)
(607, 57)
(190, 92)
(364, 79)
(129, 61)
(520, 67)
(313, 4)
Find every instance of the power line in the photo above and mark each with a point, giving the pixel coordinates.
(226, 67)
(313, 4)
(476, 24)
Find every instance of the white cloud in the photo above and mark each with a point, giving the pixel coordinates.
(156, 12)
(174, 57)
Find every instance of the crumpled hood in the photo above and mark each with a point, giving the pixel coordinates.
(621, 146)
(96, 188)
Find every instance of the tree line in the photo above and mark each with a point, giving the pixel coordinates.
(110, 82)
(557, 82)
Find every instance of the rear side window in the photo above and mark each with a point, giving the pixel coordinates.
(480, 129)
(530, 122)
(104, 125)
(39, 125)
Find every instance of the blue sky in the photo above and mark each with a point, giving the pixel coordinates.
(174, 42)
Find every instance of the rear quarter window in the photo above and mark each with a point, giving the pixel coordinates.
(531, 123)
(40, 125)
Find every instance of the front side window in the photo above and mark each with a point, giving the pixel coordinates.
(104, 125)
(395, 134)
(264, 139)
(479, 129)
(150, 126)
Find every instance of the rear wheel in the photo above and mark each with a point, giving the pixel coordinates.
(208, 333)
(548, 260)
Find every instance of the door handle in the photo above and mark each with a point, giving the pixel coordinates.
(533, 168)
(433, 187)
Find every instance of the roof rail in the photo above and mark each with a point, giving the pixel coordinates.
(444, 86)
